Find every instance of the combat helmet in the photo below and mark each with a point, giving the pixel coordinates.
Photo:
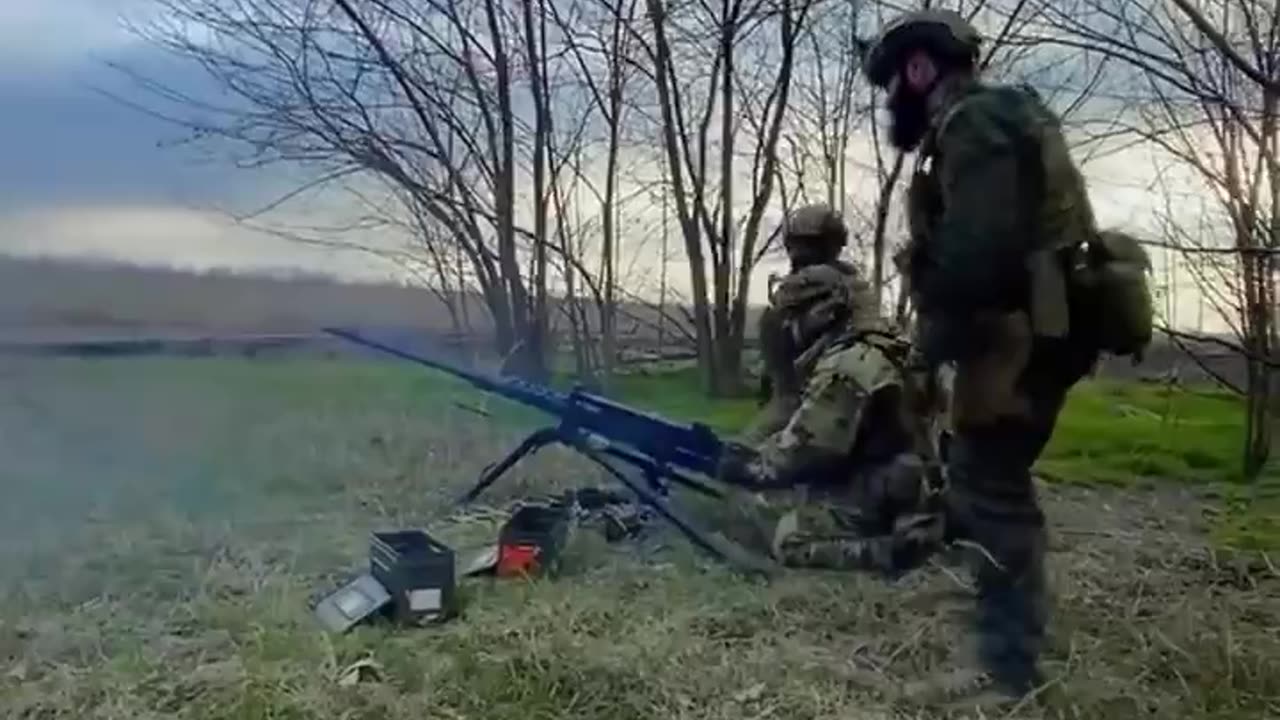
(945, 32)
(815, 233)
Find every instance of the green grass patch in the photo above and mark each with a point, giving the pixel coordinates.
(1116, 433)
(679, 394)
(1247, 517)
(1110, 433)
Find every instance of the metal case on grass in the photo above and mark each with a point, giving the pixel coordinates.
(418, 572)
(352, 604)
(531, 540)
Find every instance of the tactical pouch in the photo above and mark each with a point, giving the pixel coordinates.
(1111, 294)
(1049, 294)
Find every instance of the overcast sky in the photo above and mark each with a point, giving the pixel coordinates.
(83, 174)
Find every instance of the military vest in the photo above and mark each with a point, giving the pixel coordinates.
(1060, 218)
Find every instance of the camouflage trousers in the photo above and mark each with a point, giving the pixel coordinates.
(991, 502)
(801, 528)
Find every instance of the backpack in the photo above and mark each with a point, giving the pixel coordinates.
(1111, 296)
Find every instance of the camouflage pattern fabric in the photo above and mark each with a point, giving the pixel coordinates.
(813, 508)
(841, 531)
(911, 541)
(823, 429)
(819, 304)
(865, 311)
(807, 304)
(811, 300)
(1001, 194)
(783, 382)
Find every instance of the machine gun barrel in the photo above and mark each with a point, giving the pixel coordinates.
(688, 446)
(519, 390)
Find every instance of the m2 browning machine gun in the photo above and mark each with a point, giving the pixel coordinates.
(604, 431)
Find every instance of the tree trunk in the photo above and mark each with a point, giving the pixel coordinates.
(609, 308)
(525, 363)
(727, 375)
(688, 224)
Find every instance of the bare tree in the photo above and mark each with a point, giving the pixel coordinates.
(598, 39)
(1202, 88)
(685, 40)
(425, 96)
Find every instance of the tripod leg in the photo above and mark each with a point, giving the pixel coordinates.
(718, 547)
(531, 444)
(660, 479)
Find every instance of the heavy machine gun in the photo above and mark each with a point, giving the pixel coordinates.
(605, 431)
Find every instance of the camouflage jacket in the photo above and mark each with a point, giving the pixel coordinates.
(787, 367)
(999, 197)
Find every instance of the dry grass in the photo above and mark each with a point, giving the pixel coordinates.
(170, 521)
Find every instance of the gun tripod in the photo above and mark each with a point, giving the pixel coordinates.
(653, 491)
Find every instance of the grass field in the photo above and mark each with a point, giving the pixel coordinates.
(167, 522)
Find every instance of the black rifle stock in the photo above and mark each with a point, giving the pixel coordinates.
(604, 431)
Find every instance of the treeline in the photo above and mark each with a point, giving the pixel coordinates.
(86, 298)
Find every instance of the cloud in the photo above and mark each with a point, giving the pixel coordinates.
(66, 141)
(176, 237)
(63, 143)
(82, 174)
(53, 32)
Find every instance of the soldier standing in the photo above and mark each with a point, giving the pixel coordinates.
(996, 204)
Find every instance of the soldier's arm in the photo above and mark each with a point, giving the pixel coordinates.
(810, 446)
(977, 249)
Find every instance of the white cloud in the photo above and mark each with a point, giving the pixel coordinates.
(53, 31)
(172, 236)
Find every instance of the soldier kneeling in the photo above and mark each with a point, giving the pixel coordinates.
(840, 483)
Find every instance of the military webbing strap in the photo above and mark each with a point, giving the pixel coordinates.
(896, 351)
(950, 113)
